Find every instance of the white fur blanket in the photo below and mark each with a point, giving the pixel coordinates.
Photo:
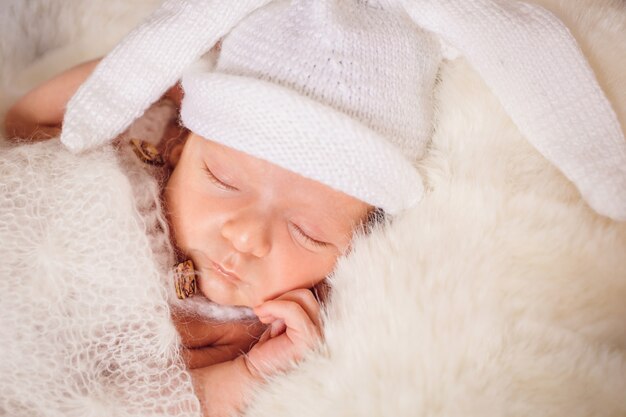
(501, 294)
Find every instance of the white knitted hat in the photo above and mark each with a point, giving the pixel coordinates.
(340, 90)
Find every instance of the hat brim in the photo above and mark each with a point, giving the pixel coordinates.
(279, 125)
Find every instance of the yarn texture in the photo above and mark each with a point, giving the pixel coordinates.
(85, 322)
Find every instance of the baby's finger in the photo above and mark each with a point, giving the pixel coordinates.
(300, 327)
(267, 334)
(307, 301)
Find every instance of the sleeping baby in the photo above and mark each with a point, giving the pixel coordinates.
(305, 130)
(260, 224)
(255, 234)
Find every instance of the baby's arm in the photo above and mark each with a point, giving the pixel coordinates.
(221, 388)
(38, 115)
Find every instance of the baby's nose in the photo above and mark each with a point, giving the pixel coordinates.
(248, 233)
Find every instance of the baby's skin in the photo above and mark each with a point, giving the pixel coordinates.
(259, 236)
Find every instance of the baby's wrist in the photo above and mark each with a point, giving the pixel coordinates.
(224, 388)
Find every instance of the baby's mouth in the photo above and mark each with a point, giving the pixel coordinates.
(219, 269)
(207, 266)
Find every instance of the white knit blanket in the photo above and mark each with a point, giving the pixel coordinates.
(502, 294)
(85, 324)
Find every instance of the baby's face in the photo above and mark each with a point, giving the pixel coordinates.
(254, 230)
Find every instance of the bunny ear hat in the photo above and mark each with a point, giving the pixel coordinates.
(340, 91)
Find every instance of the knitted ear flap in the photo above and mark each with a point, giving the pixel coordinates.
(526, 56)
(144, 65)
(534, 66)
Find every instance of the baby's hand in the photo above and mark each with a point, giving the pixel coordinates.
(294, 329)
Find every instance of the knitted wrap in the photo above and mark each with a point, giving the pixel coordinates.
(85, 319)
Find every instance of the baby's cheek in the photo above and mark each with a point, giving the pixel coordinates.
(178, 220)
(304, 271)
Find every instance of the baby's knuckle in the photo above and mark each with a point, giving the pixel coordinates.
(297, 294)
(295, 309)
(308, 295)
(308, 298)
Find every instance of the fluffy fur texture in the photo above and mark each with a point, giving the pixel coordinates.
(502, 293)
